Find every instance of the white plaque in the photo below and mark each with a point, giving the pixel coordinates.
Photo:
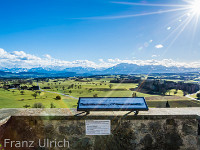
(97, 127)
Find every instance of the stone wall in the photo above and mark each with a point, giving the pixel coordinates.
(128, 132)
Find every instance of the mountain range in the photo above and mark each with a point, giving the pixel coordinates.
(123, 68)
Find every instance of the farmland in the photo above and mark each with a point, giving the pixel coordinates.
(71, 88)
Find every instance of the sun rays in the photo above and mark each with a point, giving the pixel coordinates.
(189, 13)
(184, 16)
(194, 5)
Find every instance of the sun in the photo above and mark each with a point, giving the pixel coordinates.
(195, 6)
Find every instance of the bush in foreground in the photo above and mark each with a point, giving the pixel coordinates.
(38, 105)
(52, 105)
(26, 106)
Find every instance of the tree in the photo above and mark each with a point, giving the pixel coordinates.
(70, 91)
(58, 97)
(30, 82)
(110, 86)
(34, 95)
(39, 92)
(167, 105)
(198, 95)
(22, 92)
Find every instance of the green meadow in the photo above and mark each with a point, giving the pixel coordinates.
(14, 99)
(74, 88)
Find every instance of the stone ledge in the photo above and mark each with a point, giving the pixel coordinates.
(158, 128)
(153, 113)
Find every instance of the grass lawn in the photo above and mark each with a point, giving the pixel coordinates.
(88, 89)
(69, 102)
(9, 99)
(194, 96)
(179, 92)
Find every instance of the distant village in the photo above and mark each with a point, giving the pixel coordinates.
(20, 85)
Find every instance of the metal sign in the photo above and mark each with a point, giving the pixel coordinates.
(112, 104)
(97, 127)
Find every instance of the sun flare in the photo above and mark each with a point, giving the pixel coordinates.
(195, 7)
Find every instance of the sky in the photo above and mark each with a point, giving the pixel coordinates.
(99, 33)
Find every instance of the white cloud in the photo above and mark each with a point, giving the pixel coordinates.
(159, 46)
(20, 59)
(154, 56)
(164, 62)
(47, 56)
(101, 60)
(2, 52)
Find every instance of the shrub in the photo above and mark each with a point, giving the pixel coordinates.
(95, 95)
(134, 94)
(52, 105)
(26, 106)
(38, 105)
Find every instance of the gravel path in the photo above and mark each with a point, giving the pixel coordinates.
(60, 94)
(189, 96)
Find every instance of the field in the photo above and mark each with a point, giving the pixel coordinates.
(99, 87)
(174, 103)
(10, 99)
(70, 89)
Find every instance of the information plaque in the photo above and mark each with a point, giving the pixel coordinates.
(112, 104)
(97, 127)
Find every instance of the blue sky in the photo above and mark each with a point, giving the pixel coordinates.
(72, 30)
